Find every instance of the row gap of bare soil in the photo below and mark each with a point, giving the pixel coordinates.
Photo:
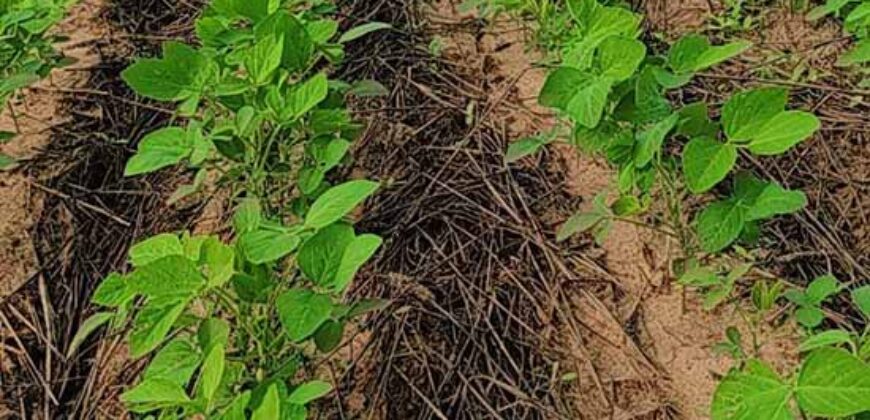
(88, 215)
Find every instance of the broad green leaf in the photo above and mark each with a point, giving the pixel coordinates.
(174, 363)
(362, 30)
(833, 383)
(620, 56)
(328, 152)
(248, 216)
(113, 291)
(86, 329)
(219, 261)
(822, 288)
(587, 106)
(302, 312)
(355, 256)
(684, 54)
(522, 148)
(579, 223)
(650, 103)
(670, 80)
(155, 248)
(17, 81)
(270, 406)
(154, 394)
(719, 225)
(309, 391)
(706, 163)
(747, 113)
(757, 392)
(783, 131)
(321, 31)
(337, 202)
(828, 338)
(328, 336)
(213, 332)
(265, 246)
(718, 54)
(606, 22)
(650, 141)
(695, 121)
(320, 256)
(7, 162)
(298, 46)
(775, 200)
(181, 73)
(699, 277)
(809, 316)
(831, 6)
(159, 149)
(210, 375)
(859, 54)
(307, 95)
(171, 277)
(236, 409)
(264, 58)
(152, 325)
(368, 89)
(560, 87)
(861, 297)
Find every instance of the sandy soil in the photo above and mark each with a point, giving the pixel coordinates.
(668, 364)
(36, 111)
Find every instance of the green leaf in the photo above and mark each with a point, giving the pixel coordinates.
(159, 149)
(523, 147)
(265, 246)
(236, 409)
(154, 394)
(355, 256)
(859, 54)
(306, 96)
(579, 223)
(718, 54)
(152, 325)
(113, 291)
(699, 277)
(706, 163)
(783, 131)
(248, 216)
(831, 6)
(171, 277)
(833, 383)
(180, 74)
(362, 30)
(757, 392)
(270, 406)
(830, 338)
(321, 31)
(210, 375)
(561, 85)
(7, 162)
(219, 261)
(264, 58)
(368, 89)
(5, 136)
(650, 141)
(822, 288)
(587, 106)
(86, 329)
(309, 391)
(809, 316)
(302, 312)
(747, 113)
(620, 56)
(213, 332)
(695, 121)
(174, 363)
(337, 202)
(775, 200)
(719, 225)
(328, 336)
(684, 54)
(321, 255)
(861, 297)
(298, 46)
(155, 248)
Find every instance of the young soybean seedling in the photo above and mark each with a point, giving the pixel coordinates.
(809, 312)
